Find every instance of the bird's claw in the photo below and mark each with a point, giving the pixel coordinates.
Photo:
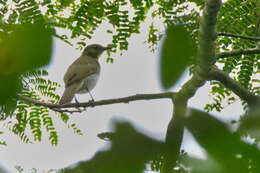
(77, 102)
(91, 102)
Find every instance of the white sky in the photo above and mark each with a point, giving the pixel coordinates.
(135, 72)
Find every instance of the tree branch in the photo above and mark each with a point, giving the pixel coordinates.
(169, 95)
(238, 52)
(238, 89)
(207, 36)
(238, 36)
(205, 60)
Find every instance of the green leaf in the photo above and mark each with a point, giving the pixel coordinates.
(26, 47)
(176, 51)
(222, 145)
(66, 3)
(31, 46)
(9, 85)
(129, 153)
(201, 165)
(250, 124)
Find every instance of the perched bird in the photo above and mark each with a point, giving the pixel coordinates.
(82, 75)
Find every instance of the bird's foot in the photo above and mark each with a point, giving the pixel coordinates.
(78, 106)
(77, 102)
(91, 102)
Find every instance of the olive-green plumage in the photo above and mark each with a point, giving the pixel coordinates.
(82, 75)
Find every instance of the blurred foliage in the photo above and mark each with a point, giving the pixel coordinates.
(106, 136)
(238, 17)
(2, 142)
(20, 169)
(225, 151)
(228, 151)
(129, 152)
(82, 18)
(24, 48)
(174, 56)
(26, 31)
(249, 126)
(32, 118)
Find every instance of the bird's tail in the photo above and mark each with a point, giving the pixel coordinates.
(68, 94)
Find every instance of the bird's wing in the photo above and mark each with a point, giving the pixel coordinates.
(78, 71)
(69, 93)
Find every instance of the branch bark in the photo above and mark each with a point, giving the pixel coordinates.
(205, 60)
(238, 36)
(207, 36)
(239, 90)
(238, 53)
(169, 95)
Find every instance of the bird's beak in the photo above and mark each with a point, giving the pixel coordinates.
(107, 48)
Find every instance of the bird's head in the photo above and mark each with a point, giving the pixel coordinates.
(95, 50)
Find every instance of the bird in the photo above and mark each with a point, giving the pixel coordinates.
(82, 75)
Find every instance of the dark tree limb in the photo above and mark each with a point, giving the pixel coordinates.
(169, 95)
(238, 53)
(238, 36)
(238, 89)
(205, 60)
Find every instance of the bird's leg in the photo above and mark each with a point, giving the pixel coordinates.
(78, 104)
(92, 99)
(76, 100)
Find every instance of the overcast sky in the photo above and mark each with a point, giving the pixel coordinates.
(135, 72)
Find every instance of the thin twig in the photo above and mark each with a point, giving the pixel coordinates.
(238, 36)
(66, 41)
(238, 53)
(67, 111)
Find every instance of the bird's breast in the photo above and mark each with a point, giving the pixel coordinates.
(88, 83)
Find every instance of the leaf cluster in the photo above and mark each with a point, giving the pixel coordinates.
(132, 151)
(241, 18)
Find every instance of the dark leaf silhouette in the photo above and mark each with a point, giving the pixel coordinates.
(129, 152)
(222, 145)
(176, 51)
